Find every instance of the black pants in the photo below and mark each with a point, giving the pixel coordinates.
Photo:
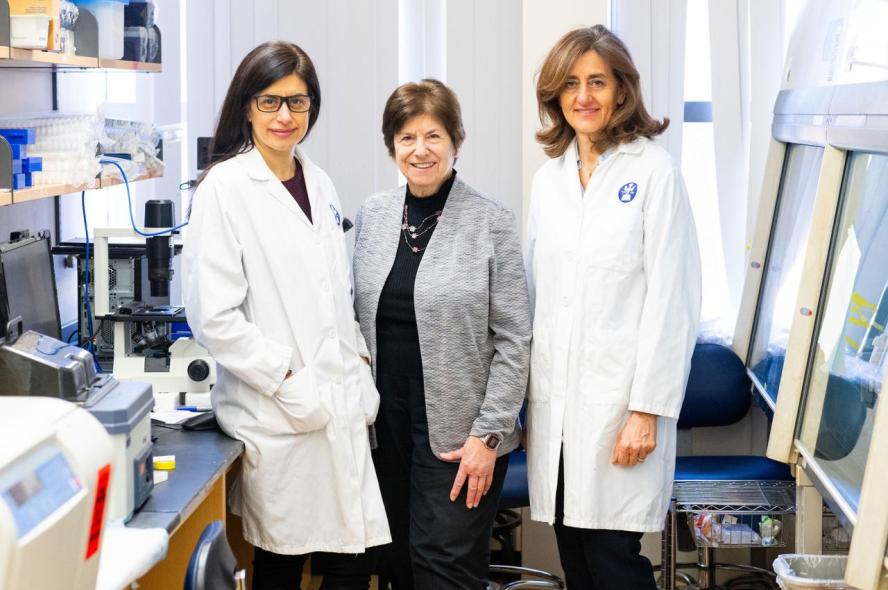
(436, 543)
(273, 571)
(598, 559)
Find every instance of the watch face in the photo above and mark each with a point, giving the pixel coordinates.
(492, 441)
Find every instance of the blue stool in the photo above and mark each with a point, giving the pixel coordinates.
(718, 394)
(212, 565)
(515, 495)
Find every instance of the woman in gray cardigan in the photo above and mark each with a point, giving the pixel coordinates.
(441, 297)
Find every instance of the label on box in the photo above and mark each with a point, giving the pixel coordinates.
(50, 8)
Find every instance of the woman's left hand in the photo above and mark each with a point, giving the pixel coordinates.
(476, 463)
(636, 440)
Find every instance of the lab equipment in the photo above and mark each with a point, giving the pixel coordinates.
(35, 24)
(69, 15)
(145, 344)
(65, 143)
(55, 468)
(109, 16)
(135, 44)
(29, 31)
(16, 168)
(127, 283)
(139, 13)
(27, 283)
(34, 364)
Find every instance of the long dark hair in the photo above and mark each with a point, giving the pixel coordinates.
(262, 67)
(630, 120)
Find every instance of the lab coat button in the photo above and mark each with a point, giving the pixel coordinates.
(332, 333)
(325, 286)
(565, 301)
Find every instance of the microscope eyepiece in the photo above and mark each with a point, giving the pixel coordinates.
(159, 214)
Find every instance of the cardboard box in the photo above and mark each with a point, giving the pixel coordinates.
(51, 8)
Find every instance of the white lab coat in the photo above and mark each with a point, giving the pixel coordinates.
(267, 291)
(614, 277)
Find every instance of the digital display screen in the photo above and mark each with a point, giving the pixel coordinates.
(39, 486)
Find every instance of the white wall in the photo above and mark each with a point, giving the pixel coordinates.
(543, 23)
(653, 31)
(484, 69)
(354, 46)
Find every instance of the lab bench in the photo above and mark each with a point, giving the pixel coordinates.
(194, 495)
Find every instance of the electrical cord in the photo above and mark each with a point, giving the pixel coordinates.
(130, 203)
(89, 316)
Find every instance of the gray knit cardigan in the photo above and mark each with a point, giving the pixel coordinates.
(471, 307)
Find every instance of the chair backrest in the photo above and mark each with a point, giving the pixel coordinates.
(718, 391)
(212, 565)
(515, 494)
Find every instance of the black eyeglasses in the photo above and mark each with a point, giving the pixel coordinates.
(271, 103)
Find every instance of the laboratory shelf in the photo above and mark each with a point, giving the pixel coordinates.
(736, 513)
(735, 497)
(129, 66)
(49, 190)
(13, 57)
(106, 181)
(86, 41)
(52, 190)
(38, 58)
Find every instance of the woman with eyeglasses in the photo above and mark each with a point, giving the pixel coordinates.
(268, 293)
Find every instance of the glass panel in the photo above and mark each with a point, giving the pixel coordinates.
(783, 266)
(849, 363)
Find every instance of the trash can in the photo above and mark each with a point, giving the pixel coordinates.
(805, 572)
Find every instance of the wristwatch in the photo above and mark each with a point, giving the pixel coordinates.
(491, 441)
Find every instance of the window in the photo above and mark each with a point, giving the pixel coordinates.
(783, 265)
(849, 348)
(698, 170)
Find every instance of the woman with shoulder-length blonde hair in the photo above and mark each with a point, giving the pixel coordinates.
(614, 275)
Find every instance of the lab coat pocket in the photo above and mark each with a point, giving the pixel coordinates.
(299, 401)
(616, 246)
(369, 394)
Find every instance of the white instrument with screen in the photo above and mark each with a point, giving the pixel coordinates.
(55, 470)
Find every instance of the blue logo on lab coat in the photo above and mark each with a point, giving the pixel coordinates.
(627, 192)
(336, 215)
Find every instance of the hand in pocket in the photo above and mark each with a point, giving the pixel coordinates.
(300, 402)
(369, 393)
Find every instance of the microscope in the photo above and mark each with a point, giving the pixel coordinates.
(149, 344)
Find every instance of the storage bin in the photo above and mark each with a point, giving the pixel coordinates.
(797, 571)
(135, 44)
(50, 8)
(109, 17)
(139, 13)
(154, 44)
(29, 31)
